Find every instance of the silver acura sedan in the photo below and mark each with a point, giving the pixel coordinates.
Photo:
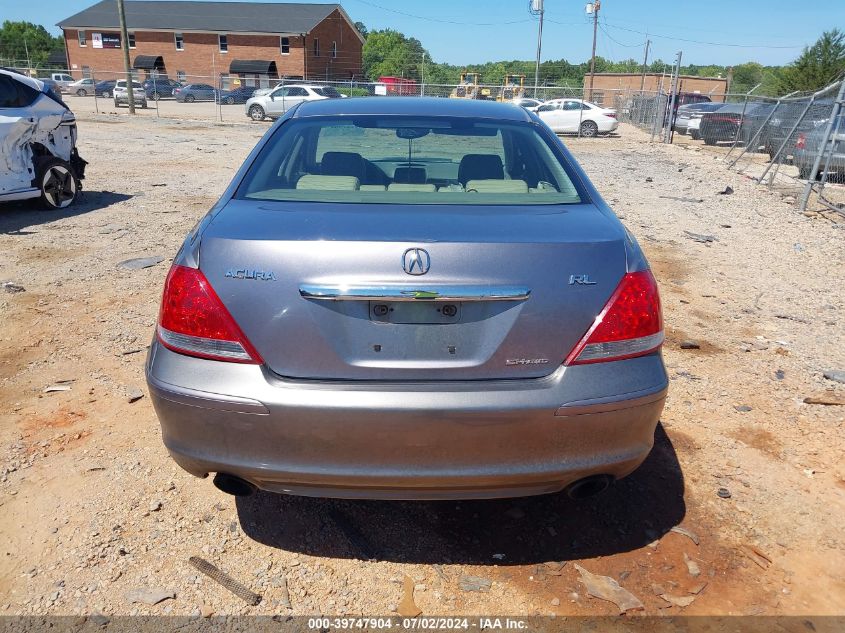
(407, 298)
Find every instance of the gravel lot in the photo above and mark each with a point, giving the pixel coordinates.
(93, 509)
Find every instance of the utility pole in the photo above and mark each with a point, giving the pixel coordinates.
(536, 8)
(645, 65)
(124, 36)
(595, 9)
(422, 76)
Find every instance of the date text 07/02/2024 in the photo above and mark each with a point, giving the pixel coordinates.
(423, 624)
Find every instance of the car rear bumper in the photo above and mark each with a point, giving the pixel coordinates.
(407, 440)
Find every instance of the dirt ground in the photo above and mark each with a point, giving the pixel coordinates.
(92, 507)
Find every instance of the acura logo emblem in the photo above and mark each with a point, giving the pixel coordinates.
(415, 261)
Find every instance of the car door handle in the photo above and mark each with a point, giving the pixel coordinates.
(347, 292)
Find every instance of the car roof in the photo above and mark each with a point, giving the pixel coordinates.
(413, 106)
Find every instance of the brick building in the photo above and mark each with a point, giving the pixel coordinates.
(613, 83)
(249, 43)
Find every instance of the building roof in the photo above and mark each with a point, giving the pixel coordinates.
(587, 76)
(416, 106)
(223, 17)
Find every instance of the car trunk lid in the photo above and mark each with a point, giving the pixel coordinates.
(321, 290)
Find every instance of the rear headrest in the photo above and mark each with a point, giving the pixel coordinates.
(400, 186)
(409, 175)
(342, 164)
(315, 182)
(480, 167)
(497, 186)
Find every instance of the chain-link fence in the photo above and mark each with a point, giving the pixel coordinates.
(794, 144)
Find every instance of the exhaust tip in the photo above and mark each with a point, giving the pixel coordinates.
(232, 485)
(588, 487)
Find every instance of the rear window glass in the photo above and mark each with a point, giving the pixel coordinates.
(395, 159)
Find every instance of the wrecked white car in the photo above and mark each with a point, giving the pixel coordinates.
(38, 157)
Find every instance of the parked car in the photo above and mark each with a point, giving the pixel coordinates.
(774, 129)
(694, 111)
(160, 88)
(528, 103)
(195, 92)
(121, 93)
(280, 100)
(569, 116)
(809, 144)
(723, 124)
(354, 328)
(63, 80)
(105, 88)
(40, 156)
(82, 87)
(238, 95)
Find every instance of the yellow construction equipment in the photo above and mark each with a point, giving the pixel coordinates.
(469, 87)
(513, 87)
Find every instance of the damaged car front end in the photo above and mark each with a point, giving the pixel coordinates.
(38, 155)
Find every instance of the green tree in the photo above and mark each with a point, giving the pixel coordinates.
(22, 41)
(362, 29)
(390, 53)
(819, 64)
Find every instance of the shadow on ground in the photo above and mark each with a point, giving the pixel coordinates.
(631, 514)
(16, 217)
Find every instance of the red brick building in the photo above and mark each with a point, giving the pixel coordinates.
(199, 41)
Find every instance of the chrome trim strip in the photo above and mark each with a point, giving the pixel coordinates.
(414, 293)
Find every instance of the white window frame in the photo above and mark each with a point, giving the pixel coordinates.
(282, 45)
(316, 48)
(220, 38)
(131, 37)
(179, 41)
(81, 39)
(334, 50)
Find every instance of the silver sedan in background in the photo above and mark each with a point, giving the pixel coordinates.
(409, 299)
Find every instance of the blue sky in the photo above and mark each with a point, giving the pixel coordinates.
(474, 31)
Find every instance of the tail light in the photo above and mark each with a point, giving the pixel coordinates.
(629, 325)
(612, 115)
(801, 142)
(195, 322)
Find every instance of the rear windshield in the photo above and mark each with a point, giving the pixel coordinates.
(394, 159)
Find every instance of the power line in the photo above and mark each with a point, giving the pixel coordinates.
(613, 39)
(681, 39)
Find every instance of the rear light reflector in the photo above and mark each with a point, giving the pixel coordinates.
(194, 321)
(629, 325)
